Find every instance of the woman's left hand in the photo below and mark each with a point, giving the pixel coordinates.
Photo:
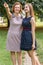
(33, 46)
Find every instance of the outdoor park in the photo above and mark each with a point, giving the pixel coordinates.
(5, 58)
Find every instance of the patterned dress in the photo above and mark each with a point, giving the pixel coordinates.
(14, 34)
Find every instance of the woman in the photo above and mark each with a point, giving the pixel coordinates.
(14, 32)
(28, 42)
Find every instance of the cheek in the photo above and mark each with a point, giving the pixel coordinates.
(17, 9)
(28, 9)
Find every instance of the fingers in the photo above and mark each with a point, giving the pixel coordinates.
(33, 47)
(5, 5)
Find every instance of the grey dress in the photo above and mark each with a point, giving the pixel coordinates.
(14, 34)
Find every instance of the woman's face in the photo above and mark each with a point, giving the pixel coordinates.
(17, 9)
(26, 8)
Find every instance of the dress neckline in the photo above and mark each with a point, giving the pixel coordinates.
(28, 17)
(17, 16)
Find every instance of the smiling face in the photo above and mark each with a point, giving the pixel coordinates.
(17, 9)
(27, 9)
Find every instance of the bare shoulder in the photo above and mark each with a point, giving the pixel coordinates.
(10, 15)
(32, 20)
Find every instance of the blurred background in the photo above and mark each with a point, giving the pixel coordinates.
(4, 25)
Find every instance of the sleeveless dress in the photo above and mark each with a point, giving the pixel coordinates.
(26, 36)
(14, 34)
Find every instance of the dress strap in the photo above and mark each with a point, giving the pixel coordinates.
(30, 18)
(13, 16)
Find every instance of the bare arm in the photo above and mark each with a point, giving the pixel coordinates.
(33, 30)
(7, 10)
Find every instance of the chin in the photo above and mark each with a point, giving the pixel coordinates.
(26, 12)
(17, 12)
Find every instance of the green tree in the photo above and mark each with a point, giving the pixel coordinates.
(38, 7)
(37, 4)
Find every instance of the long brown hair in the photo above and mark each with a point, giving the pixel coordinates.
(31, 9)
(17, 3)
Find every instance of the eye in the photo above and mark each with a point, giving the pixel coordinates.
(26, 7)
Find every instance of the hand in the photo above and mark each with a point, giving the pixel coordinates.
(33, 46)
(6, 5)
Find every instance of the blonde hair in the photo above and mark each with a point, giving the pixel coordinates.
(31, 9)
(17, 3)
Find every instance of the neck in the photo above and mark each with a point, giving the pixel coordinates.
(16, 14)
(27, 15)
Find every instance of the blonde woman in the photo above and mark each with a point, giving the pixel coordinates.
(14, 32)
(28, 42)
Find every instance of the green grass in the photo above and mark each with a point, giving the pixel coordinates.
(39, 36)
(5, 55)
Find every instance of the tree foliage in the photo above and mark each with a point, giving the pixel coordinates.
(37, 4)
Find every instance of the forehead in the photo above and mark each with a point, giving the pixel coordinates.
(26, 5)
(17, 5)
